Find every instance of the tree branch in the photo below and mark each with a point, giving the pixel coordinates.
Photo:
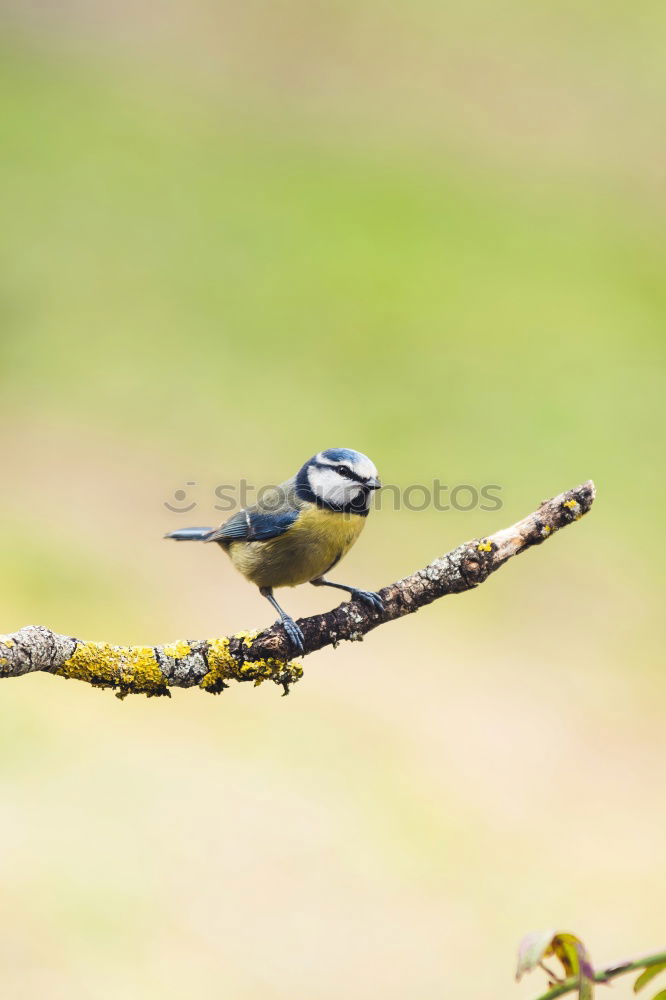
(604, 975)
(210, 663)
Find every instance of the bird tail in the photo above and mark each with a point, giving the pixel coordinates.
(190, 534)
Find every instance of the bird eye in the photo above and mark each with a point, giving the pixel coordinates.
(345, 471)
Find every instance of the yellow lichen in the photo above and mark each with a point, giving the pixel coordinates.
(3, 661)
(6, 641)
(273, 670)
(136, 669)
(131, 669)
(177, 649)
(484, 547)
(246, 637)
(222, 667)
(574, 506)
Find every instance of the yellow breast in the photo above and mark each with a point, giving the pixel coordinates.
(313, 544)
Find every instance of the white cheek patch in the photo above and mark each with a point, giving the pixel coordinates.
(350, 491)
(331, 487)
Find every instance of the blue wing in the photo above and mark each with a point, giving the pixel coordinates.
(253, 526)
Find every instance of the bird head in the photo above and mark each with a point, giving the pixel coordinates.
(339, 478)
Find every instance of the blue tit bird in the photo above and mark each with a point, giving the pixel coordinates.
(300, 530)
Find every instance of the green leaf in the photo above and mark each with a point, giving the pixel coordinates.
(647, 975)
(661, 995)
(575, 961)
(570, 951)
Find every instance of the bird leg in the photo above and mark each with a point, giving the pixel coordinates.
(368, 597)
(291, 628)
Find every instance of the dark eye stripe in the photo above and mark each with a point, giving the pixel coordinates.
(348, 474)
(344, 471)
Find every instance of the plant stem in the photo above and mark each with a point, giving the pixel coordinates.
(605, 975)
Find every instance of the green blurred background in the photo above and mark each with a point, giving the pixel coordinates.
(236, 234)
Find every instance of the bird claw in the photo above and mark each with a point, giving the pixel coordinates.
(294, 634)
(369, 597)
